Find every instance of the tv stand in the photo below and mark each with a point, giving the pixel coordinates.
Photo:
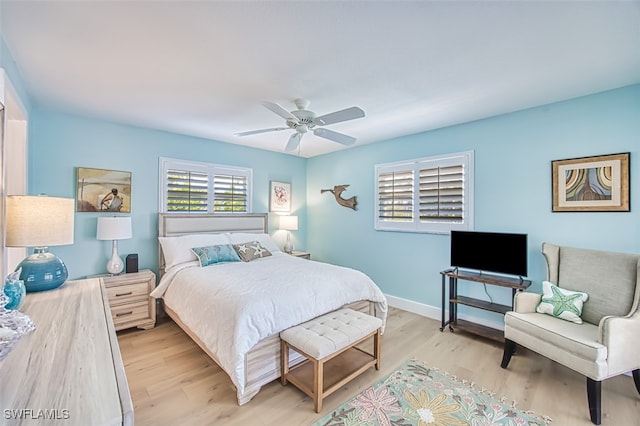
(514, 283)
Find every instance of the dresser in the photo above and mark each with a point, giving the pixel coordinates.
(68, 371)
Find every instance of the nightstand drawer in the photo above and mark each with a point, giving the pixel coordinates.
(130, 300)
(128, 293)
(130, 312)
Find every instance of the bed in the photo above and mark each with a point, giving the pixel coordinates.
(235, 310)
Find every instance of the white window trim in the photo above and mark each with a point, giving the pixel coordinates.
(211, 169)
(466, 158)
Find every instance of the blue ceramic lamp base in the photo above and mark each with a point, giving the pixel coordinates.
(42, 271)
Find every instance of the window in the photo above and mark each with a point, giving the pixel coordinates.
(194, 187)
(432, 194)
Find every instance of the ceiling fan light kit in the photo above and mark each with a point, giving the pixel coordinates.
(302, 121)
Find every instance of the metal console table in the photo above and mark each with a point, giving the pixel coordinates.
(514, 283)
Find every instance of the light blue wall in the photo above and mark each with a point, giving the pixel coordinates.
(59, 143)
(513, 155)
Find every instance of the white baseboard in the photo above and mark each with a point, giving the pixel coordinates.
(435, 312)
(414, 307)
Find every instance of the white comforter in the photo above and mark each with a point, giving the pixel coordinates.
(232, 306)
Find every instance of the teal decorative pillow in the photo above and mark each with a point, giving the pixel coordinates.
(561, 303)
(251, 251)
(221, 253)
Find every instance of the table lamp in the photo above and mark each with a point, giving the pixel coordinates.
(39, 221)
(289, 223)
(114, 228)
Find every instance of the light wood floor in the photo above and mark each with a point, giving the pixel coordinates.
(173, 382)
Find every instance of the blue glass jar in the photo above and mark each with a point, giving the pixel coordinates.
(15, 292)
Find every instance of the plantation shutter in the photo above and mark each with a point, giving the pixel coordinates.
(442, 194)
(230, 193)
(187, 191)
(196, 187)
(395, 196)
(429, 194)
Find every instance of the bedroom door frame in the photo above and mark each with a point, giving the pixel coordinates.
(13, 162)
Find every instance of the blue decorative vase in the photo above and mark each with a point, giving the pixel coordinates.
(15, 292)
(42, 270)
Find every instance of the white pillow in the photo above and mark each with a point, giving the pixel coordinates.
(177, 250)
(264, 239)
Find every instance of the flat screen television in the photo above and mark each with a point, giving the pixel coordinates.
(490, 251)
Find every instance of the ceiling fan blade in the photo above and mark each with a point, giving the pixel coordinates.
(253, 132)
(294, 141)
(274, 107)
(335, 136)
(338, 116)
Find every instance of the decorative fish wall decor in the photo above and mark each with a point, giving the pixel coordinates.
(337, 192)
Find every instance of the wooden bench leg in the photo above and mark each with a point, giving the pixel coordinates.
(376, 348)
(318, 384)
(284, 362)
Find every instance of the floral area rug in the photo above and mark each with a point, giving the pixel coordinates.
(419, 395)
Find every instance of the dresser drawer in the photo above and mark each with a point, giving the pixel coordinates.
(130, 312)
(128, 293)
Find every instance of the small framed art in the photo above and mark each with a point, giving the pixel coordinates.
(279, 196)
(100, 190)
(591, 184)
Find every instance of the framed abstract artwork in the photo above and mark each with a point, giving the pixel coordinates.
(100, 190)
(591, 184)
(279, 196)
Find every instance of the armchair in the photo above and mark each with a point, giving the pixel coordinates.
(607, 343)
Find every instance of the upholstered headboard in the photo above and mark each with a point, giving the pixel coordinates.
(173, 225)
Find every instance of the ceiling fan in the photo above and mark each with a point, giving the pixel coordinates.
(303, 120)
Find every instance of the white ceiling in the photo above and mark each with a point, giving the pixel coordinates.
(202, 68)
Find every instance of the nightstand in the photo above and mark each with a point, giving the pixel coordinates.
(129, 299)
(302, 254)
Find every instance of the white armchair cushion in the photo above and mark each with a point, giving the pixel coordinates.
(561, 303)
(570, 344)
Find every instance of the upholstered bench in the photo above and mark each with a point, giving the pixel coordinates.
(329, 343)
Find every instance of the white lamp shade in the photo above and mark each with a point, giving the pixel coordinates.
(114, 228)
(289, 223)
(39, 221)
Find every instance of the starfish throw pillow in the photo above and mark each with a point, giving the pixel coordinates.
(561, 303)
(251, 250)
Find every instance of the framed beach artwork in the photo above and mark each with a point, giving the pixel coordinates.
(279, 196)
(100, 190)
(591, 184)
